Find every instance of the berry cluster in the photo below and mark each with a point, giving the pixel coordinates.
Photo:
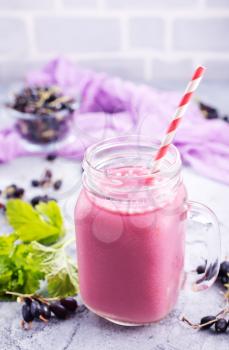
(10, 192)
(35, 307)
(223, 275)
(44, 114)
(210, 112)
(47, 181)
(224, 272)
(220, 323)
(42, 100)
(13, 191)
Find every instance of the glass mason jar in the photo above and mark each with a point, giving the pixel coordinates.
(131, 230)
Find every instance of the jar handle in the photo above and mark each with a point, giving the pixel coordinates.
(203, 231)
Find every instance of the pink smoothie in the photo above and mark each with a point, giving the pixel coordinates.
(130, 261)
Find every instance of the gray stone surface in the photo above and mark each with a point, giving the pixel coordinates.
(86, 331)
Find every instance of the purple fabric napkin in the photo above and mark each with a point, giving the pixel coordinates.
(111, 107)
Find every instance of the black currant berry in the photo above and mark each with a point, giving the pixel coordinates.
(35, 183)
(221, 325)
(200, 269)
(19, 192)
(224, 279)
(69, 303)
(45, 311)
(36, 308)
(59, 310)
(207, 319)
(26, 313)
(57, 184)
(27, 300)
(35, 200)
(51, 157)
(224, 268)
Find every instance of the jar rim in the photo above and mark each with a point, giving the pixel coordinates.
(133, 137)
(172, 170)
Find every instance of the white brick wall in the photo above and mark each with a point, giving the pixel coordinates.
(144, 40)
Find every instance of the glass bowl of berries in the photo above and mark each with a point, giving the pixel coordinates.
(43, 117)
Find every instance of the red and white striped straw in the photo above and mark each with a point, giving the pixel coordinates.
(176, 119)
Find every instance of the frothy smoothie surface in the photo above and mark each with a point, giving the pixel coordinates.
(130, 261)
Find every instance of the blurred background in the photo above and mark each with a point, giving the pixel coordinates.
(143, 40)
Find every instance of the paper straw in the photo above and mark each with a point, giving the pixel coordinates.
(176, 119)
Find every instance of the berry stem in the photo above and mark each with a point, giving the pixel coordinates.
(19, 294)
(185, 320)
(207, 323)
(198, 326)
(43, 319)
(33, 296)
